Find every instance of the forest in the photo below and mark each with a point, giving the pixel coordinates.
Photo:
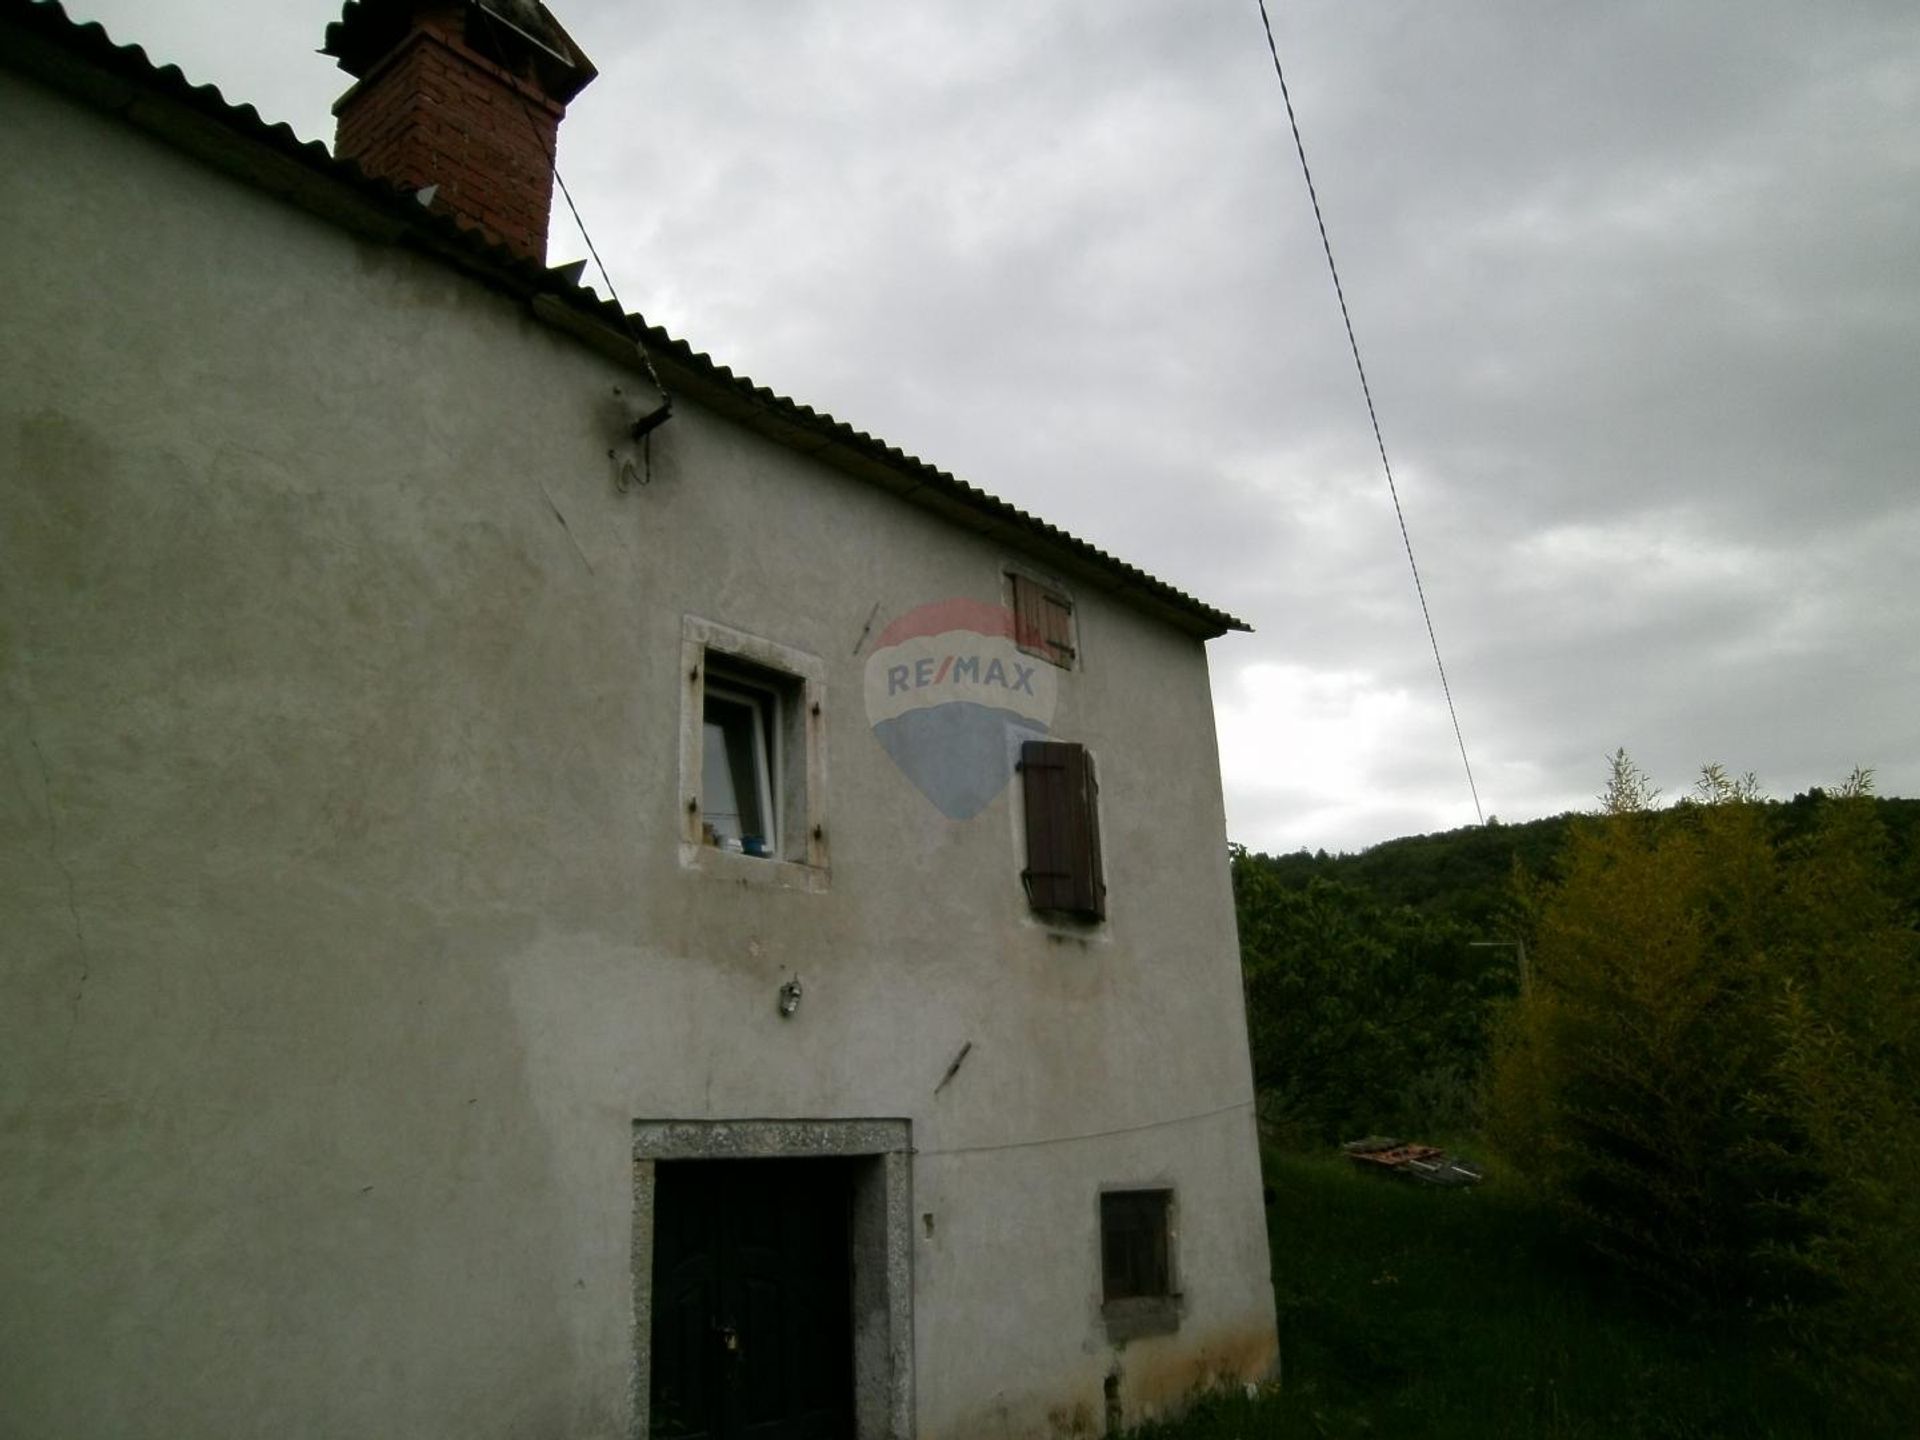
(1686, 1034)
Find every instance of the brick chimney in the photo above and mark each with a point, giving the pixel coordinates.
(465, 96)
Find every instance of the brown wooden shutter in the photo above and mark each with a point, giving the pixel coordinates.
(1091, 893)
(1063, 830)
(1028, 626)
(1042, 620)
(1056, 627)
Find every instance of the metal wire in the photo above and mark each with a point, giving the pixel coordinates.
(553, 168)
(1366, 390)
(1090, 1134)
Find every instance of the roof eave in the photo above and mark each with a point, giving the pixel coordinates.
(84, 61)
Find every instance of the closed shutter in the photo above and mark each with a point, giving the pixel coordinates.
(1042, 621)
(1063, 830)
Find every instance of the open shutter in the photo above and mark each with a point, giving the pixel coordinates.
(1029, 625)
(1063, 830)
(1090, 895)
(1056, 628)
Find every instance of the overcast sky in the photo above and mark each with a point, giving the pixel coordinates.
(1637, 284)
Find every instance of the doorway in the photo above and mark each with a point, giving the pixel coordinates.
(772, 1280)
(752, 1319)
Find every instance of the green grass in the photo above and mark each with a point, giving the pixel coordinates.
(1412, 1311)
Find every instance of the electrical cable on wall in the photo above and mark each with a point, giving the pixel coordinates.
(1246, 1104)
(1366, 390)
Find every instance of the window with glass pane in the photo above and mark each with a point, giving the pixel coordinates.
(752, 758)
(737, 781)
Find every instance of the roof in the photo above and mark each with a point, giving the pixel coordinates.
(83, 60)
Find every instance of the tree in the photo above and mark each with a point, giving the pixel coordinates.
(1361, 1016)
(1715, 1073)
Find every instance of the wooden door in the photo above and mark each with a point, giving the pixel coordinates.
(752, 1321)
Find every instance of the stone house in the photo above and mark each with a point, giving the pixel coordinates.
(548, 890)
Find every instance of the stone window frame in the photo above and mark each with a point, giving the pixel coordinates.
(801, 862)
(882, 1244)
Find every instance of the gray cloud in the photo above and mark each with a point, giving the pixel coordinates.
(1636, 285)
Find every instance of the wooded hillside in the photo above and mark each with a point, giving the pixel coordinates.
(1691, 1032)
(1467, 874)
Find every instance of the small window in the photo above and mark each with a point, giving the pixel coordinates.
(748, 738)
(1042, 621)
(1063, 830)
(739, 760)
(752, 759)
(1138, 1293)
(1134, 1245)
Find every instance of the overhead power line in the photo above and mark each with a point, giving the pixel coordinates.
(550, 151)
(1366, 390)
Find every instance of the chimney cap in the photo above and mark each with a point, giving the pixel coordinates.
(520, 34)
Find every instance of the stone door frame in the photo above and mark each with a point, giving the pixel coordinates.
(882, 1247)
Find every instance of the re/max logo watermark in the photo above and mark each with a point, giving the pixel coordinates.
(952, 697)
(961, 670)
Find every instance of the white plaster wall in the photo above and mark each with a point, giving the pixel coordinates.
(345, 933)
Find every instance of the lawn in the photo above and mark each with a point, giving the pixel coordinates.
(1414, 1311)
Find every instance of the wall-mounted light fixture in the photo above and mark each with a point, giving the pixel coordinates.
(789, 998)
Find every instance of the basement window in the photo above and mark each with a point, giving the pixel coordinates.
(1136, 1263)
